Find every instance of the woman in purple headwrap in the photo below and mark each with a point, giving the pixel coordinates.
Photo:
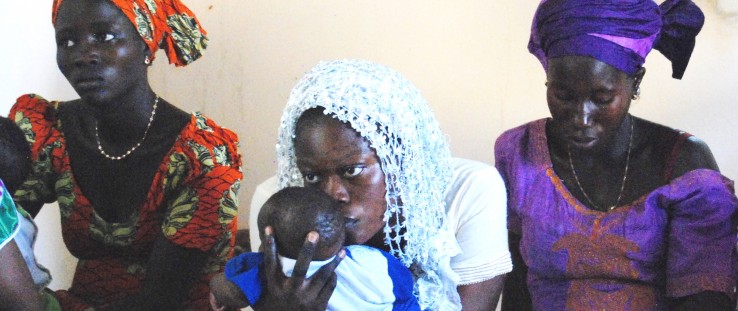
(608, 211)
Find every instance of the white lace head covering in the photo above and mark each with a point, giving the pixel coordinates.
(389, 112)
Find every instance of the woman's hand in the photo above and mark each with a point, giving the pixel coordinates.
(170, 274)
(296, 292)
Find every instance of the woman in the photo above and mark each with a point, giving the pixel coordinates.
(608, 211)
(147, 192)
(363, 134)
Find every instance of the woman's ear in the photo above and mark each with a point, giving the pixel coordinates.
(147, 55)
(636, 87)
(638, 77)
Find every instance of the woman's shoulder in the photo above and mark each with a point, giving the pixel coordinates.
(689, 192)
(527, 140)
(208, 132)
(466, 171)
(38, 118)
(473, 182)
(35, 107)
(684, 151)
(209, 143)
(694, 154)
(514, 134)
(534, 130)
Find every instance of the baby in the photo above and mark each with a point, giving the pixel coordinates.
(15, 165)
(367, 278)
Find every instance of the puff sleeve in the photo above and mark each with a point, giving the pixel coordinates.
(202, 182)
(37, 119)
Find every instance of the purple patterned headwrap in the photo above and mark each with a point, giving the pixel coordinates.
(619, 33)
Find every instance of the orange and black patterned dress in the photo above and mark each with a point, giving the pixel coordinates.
(191, 201)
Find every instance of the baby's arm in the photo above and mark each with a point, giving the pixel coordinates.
(225, 295)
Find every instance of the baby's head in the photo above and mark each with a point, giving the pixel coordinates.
(15, 155)
(295, 211)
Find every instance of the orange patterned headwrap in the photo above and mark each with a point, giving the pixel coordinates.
(168, 24)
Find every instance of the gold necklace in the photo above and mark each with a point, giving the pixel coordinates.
(125, 154)
(625, 174)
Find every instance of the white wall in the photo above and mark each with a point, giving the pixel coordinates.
(468, 58)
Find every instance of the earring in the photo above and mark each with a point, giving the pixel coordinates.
(637, 93)
(147, 60)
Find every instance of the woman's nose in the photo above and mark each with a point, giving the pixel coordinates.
(334, 187)
(583, 114)
(87, 54)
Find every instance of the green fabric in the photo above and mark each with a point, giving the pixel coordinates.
(8, 216)
(50, 302)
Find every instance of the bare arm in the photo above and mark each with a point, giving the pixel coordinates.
(17, 291)
(515, 295)
(483, 295)
(694, 154)
(170, 274)
(296, 292)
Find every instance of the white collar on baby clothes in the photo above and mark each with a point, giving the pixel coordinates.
(288, 264)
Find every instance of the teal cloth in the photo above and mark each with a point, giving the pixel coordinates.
(8, 216)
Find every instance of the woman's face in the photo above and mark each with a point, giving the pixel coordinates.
(99, 51)
(588, 100)
(332, 156)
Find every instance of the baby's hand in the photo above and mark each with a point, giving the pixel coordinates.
(225, 295)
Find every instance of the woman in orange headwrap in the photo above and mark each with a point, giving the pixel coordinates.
(147, 192)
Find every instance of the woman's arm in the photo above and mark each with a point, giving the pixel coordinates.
(700, 258)
(17, 291)
(693, 154)
(477, 212)
(170, 274)
(296, 292)
(36, 118)
(483, 295)
(515, 295)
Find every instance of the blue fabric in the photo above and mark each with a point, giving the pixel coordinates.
(243, 271)
(403, 284)
(368, 279)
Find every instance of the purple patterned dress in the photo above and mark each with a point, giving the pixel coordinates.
(675, 241)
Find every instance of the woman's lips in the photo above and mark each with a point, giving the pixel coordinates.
(582, 140)
(88, 83)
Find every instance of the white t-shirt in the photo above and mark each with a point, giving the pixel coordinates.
(476, 209)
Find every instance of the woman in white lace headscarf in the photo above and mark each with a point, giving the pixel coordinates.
(364, 134)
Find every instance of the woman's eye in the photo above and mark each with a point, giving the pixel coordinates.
(562, 96)
(602, 100)
(352, 171)
(65, 43)
(310, 178)
(105, 37)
